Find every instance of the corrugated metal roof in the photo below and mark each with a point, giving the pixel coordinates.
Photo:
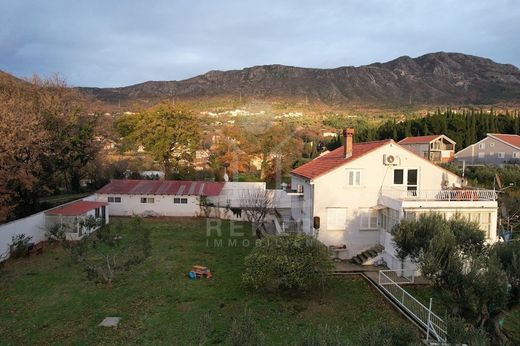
(76, 208)
(162, 187)
(335, 159)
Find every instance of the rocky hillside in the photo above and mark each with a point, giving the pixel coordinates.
(437, 78)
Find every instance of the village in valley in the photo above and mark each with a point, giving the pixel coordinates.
(268, 205)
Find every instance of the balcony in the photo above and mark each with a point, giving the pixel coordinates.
(453, 198)
(442, 195)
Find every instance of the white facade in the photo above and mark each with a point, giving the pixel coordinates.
(151, 205)
(359, 201)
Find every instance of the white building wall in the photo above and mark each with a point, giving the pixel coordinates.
(162, 206)
(331, 191)
(33, 226)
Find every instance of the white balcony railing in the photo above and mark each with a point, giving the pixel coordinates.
(442, 195)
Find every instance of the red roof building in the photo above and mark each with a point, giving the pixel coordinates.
(76, 208)
(513, 140)
(162, 187)
(336, 158)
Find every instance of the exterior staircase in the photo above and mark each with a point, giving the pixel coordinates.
(366, 255)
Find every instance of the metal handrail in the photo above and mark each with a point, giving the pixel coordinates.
(442, 195)
(423, 315)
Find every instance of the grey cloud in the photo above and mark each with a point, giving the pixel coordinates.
(113, 43)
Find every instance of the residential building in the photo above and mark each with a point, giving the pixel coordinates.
(73, 215)
(436, 148)
(495, 149)
(157, 197)
(358, 192)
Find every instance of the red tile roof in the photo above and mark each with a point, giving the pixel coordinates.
(418, 139)
(76, 208)
(162, 187)
(335, 159)
(513, 140)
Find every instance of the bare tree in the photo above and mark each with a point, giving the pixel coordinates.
(256, 205)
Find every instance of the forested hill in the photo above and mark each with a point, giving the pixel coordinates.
(431, 79)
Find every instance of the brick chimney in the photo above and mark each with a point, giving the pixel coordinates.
(348, 133)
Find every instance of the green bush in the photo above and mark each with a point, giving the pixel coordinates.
(460, 332)
(19, 245)
(290, 261)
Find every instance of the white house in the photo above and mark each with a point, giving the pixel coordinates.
(360, 191)
(157, 197)
(72, 215)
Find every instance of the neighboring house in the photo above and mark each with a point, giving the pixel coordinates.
(360, 191)
(157, 197)
(183, 198)
(436, 148)
(495, 149)
(72, 216)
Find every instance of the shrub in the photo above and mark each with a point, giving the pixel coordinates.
(55, 233)
(290, 261)
(244, 331)
(19, 245)
(460, 332)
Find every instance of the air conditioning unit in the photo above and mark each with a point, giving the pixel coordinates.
(391, 160)
(299, 188)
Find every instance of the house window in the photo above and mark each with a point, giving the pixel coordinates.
(353, 177)
(180, 201)
(336, 218)
(501, 155)
(370, 219)
(112, 199)
(408, 175)
(481, 155)
(147, 200)
(516, 155)
(411, 180)
(482, 146)
(389, 218)
(398, 176)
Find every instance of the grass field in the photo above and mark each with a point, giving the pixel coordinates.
(48, 300)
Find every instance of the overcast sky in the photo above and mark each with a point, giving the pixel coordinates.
(116, 43)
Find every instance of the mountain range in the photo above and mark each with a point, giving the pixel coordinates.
(432, 79)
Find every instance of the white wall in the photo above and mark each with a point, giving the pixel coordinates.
(163, 205)
(331, 191)
(33, 226)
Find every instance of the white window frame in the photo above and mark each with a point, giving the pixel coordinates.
(501, 155)
(180, 200)
(369, 220)
(149, 200)
(114, 199)
(482, 145)
(516, 154)
(353, 177)
(405, 177)
(481, 155)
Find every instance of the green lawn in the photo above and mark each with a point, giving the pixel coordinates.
(48, 300)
